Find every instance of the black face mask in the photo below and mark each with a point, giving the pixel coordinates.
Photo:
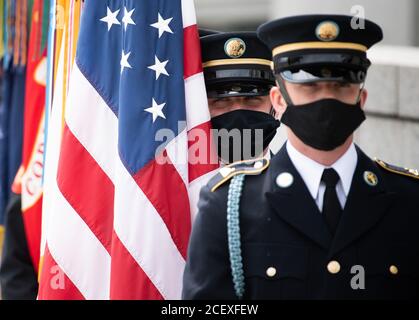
(247, 133)
(323, 124)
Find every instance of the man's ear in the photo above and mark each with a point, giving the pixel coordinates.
(278, 101)
(364, 95)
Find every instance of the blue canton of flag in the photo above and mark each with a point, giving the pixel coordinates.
(135, 62)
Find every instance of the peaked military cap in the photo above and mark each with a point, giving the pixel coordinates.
(236, 64)
(312, 48)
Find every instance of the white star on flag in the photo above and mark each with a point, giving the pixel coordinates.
(159, 67)
(156, 110)
(162, 25)
(124, 61)
(110, 18)
(127, 19)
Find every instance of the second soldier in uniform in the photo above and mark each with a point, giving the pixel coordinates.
(238, 79)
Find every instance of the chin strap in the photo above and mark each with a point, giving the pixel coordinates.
(283, 90)
(360, 92)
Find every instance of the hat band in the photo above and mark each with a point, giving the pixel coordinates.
(225, 62)
(318, 45)
(252, 74)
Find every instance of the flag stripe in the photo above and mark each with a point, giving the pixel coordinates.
(188, 13)
(56, 285)
(77, 251)
(196, 101)
(125, 272)
(99, 137)
(171, 202)
(202, 154)
(200, 166)
(93, 204)
(192, 60)
(177, 156)
(146, 237)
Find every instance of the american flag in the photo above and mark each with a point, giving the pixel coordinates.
(119, 217)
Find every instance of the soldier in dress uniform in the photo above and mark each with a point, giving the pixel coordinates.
(238, 79)
(321, 220)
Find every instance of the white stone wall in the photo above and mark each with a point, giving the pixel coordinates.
(227, 14)
(391, 131)
(399, 19)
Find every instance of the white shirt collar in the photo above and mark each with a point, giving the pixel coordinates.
(345, 166)
(312, 171)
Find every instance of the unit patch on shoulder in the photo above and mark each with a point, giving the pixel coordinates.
(247, 167)
(413, 173)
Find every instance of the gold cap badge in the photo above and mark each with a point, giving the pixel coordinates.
(234, 47)
(327, 31)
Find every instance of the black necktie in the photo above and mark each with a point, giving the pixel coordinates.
(331, 206)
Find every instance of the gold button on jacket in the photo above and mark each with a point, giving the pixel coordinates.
(394, 269)
(271, 272)
(333, 267)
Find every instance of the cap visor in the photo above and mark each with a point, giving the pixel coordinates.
(309, 75)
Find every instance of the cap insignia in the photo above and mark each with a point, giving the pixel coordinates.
(327, 31)
(234, 47)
